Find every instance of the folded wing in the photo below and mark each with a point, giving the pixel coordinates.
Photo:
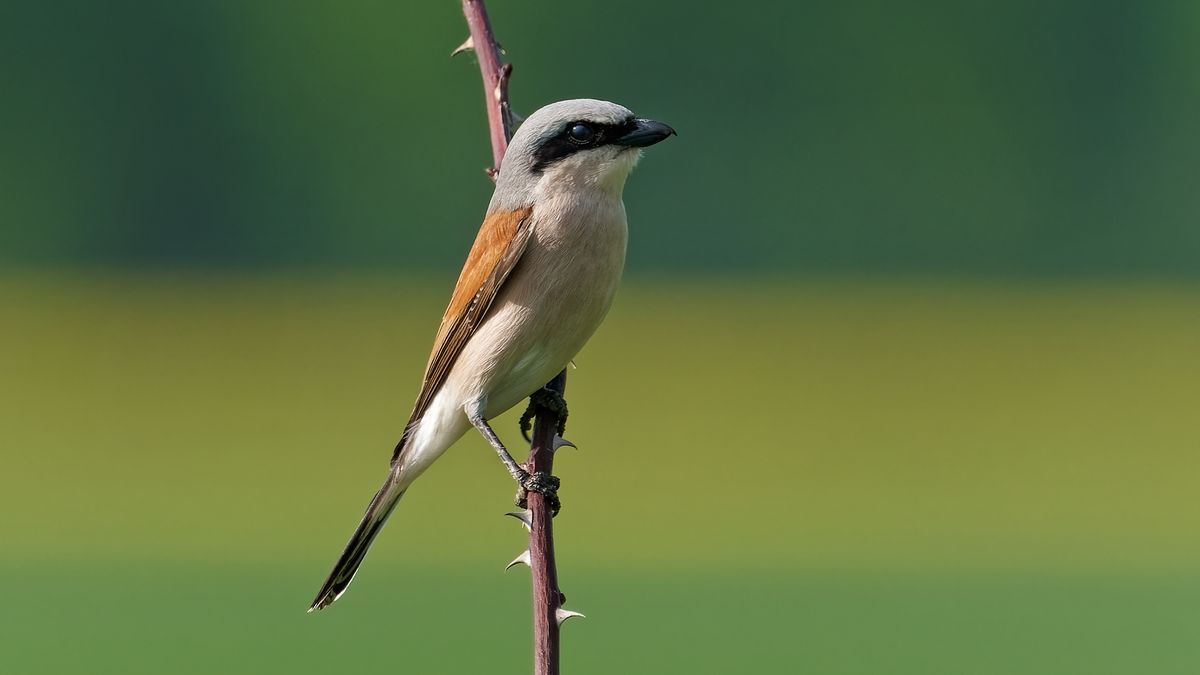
(498, 247)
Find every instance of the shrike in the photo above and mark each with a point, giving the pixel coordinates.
(537, 283)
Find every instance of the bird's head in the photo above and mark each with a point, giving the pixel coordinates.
(576, 144)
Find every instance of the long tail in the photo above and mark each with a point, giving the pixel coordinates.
(372, 522)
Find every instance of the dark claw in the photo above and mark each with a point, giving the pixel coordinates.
(527, 422)
(550, 401)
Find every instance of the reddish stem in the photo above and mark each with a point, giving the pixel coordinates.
(547, 598)
(495, 77)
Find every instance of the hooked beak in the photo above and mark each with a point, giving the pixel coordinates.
(645, 132)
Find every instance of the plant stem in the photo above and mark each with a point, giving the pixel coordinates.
(495, 77)
(547, 598)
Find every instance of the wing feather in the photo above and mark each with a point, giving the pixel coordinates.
(498, 247)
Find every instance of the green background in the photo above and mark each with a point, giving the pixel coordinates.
(902, 379)
(1013, 138)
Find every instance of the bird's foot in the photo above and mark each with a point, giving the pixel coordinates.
(543, 484)
(550, 401)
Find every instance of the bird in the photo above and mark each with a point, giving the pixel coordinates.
(537, 283)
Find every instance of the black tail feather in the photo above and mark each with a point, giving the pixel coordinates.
(372, 522)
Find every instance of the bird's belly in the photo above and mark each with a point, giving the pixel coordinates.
(549, 307)
(545, 338)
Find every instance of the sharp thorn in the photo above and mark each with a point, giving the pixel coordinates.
(466, 46)
(522, 559)
(562, 615)
(559, 442)
(573, 366)
(526, 517)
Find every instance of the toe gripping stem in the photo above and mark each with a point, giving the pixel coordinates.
(544, 399)
(551, 401)
(543, 484)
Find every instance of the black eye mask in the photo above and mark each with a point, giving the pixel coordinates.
(576, 136)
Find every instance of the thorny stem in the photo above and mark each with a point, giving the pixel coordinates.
(547, 598)
(495, 77)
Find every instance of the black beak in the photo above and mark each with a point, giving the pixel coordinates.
(645, 132)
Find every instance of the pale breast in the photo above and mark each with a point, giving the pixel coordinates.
(550, 305)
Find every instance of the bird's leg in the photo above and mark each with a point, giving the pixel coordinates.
(520, 475)
(540, 482)
(550, 401)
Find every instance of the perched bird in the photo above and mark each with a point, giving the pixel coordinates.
(537, 283)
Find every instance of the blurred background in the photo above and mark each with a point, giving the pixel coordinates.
(903, 377)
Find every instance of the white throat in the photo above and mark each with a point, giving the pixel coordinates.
(589, 172)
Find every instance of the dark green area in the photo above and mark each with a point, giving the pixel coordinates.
(864, 137)
(189, 618)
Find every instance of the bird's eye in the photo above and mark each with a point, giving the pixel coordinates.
(581, 133)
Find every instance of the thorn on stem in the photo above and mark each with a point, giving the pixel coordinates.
(526, 518)
(501, 90)
(522, 559)
(562, 615)
(466, 46)
(560, 442)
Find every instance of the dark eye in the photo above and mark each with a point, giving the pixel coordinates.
(581, 133)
